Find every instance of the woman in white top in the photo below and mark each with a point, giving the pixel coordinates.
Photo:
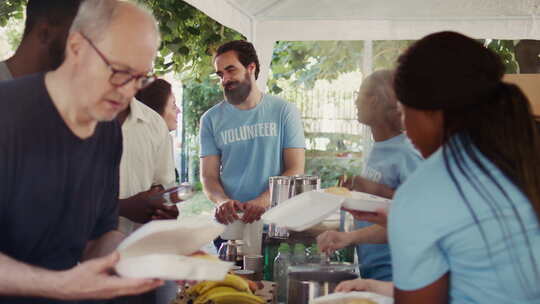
(159, 97)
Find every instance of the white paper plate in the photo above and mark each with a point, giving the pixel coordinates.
(342, 298)
(172, 267)
(361, 201)
(304, 210)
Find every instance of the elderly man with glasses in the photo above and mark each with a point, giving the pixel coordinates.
(60, 151)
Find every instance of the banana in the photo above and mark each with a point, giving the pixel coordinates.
(237, 282)
(197, 289)
(211, 285)
(204, 297)
(230, 280)
(233, 297)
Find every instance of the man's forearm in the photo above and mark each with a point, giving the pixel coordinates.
(104, 245)
(263, 200)
(373, 234)
(26, 280)
(293, 171)
(214, 190)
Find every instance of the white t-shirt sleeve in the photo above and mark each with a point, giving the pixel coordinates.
(164, 173)
(417, 258)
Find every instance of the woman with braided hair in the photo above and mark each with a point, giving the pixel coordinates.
(464, 228)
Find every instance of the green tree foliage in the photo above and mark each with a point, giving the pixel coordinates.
(199, 97)
(506, 50)
(189, 39)
(11, 9)
(302, 63)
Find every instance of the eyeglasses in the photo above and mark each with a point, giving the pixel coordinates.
(120, 78)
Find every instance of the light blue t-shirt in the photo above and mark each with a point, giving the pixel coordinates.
(432, 232)
(250, 143)
(389, 163)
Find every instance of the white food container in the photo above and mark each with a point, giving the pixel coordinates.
(306, 210)
(160, 250)
(343, 298)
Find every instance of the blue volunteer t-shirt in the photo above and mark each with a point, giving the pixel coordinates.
(250, 143)
(432, 232)
(389, 163)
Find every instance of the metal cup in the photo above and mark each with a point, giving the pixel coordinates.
(255, 263)
(280, 190)
(305, 284)
(228, 252)
(305, 183)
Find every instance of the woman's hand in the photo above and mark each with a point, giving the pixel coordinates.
(378, 287)
(379, 217)
(330, 241)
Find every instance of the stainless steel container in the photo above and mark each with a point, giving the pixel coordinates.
(284, 187)
(305, 183)
(280, 190)
(305, 283)
(230, 251)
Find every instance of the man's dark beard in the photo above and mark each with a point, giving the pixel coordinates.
(240, 93)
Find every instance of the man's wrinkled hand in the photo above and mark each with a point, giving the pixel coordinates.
(93, 279)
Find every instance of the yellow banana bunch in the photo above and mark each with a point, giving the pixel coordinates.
(231, 297)
(203, 298)
(233, 289)
(236, 282)
(195, 289)
(230, 280)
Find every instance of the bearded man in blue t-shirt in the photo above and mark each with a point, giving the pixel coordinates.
(247, 138)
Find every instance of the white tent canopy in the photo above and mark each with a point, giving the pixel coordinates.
(264, 22)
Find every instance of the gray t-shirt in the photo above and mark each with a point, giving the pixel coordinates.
(5, 74)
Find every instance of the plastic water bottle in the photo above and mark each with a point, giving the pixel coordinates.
(315, 255)
(281, 266)
(299, 255)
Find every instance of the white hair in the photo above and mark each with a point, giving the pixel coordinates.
(95, 16)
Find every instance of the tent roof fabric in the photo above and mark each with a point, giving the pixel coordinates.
(264, 22)
(389, 19)
(384, 9)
